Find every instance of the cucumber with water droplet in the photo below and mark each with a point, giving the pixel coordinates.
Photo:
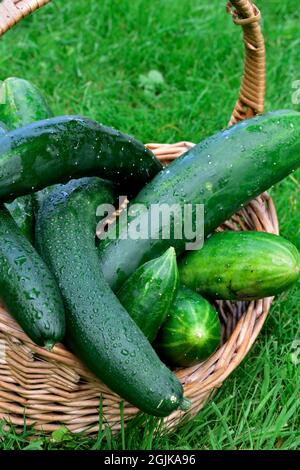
(223, 173)
(59, 149)
(99, 329)
(241, 266)
(149, 292)
(27, 288)
(192, 331)
(22, 105)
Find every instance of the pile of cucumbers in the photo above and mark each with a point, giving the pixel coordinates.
(130, 308)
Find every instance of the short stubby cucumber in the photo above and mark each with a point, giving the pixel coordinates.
(27, 288)
(192, 331)
(22, 105)
(58, 149)
(99, 329)
(149, 293)
(241, 266)
(223, 173)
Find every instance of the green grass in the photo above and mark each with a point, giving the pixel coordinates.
(91, 58)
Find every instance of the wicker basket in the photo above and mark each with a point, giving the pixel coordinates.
(54, 388)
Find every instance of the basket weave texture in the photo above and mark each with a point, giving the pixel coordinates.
(12, 11)
(55, 388)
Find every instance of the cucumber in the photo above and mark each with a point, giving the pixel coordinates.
(23, 104)
(99, 330)
(59, 149)
(192, 331)
(223, 172)
(149, 292)
(241, 266)
(27, 288)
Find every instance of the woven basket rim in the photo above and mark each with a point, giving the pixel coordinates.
(12, 11)
(55, 387)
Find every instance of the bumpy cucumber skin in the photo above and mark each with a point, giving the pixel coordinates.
(223, 172)
(59, 149)
(192, 331)
(23, 104)
(99, 330)
(150, 291)
(241, 266)
(27, 288)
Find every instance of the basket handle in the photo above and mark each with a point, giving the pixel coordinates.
(252, 91)
(244, 13)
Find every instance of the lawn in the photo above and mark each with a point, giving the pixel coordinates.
(93, 58)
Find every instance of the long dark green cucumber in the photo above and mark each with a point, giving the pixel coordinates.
(27, 287)
(149, 293)
(241, 266)
(59, 149)
(223, 172)
(23, 104)
(99, 330)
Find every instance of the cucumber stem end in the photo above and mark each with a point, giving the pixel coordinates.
(49, 344)
(185, 404)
